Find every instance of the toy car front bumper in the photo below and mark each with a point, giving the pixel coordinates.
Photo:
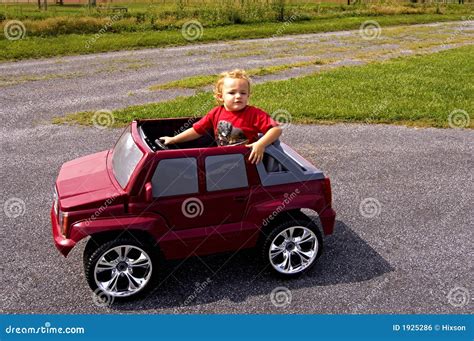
(63, 244)
(328, 219)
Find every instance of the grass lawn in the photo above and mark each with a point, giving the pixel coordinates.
(196, 82)
(417, 90)
(71, 35)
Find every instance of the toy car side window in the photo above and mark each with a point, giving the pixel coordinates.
(272, 165)
(174, 177)
(225, 172)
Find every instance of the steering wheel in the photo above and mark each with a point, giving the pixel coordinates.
(161, 145)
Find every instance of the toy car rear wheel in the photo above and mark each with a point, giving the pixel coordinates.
(292, 247)
(121, 268)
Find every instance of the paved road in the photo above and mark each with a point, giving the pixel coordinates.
(405, 259)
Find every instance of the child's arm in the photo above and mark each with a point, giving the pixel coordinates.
(187, 135)
(258, 148)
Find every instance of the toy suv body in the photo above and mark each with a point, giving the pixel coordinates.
(141, 203)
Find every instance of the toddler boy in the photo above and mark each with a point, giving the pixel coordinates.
(234, 121)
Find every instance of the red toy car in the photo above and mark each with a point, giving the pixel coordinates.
(140, 202)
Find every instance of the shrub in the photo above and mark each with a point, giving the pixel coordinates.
(140, 17)
(69, 25)
(64, 25)
(278, 7)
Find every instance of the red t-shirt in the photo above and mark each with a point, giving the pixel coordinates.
(235, 126)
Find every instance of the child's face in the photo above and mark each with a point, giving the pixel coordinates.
(235, 94)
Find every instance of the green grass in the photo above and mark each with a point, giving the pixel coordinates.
(74, 44)
(212, 11)
(418, 90)
(199, 81)
(193, 82)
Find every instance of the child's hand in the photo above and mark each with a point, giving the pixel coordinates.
(256, 155)
(167, 140)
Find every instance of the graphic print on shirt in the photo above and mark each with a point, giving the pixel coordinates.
(227, 134)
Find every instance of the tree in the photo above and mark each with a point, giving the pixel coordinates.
(45, 4)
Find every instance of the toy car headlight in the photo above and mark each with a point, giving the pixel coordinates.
(63, 222)
(56, 201)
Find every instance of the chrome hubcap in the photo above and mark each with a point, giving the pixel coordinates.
(293, 250)
(123, 270)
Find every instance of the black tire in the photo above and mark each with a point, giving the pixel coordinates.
(301, 222)
(137, 249)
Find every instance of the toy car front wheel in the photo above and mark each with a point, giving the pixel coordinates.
(121, 268)
(292, 247)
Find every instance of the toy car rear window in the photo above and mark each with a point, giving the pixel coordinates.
(294, 168)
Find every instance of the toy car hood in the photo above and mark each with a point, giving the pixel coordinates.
(85, 180)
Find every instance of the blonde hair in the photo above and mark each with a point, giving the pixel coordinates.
(236, 74)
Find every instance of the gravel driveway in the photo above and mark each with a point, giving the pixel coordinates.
(34, 91)
(404, 198)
